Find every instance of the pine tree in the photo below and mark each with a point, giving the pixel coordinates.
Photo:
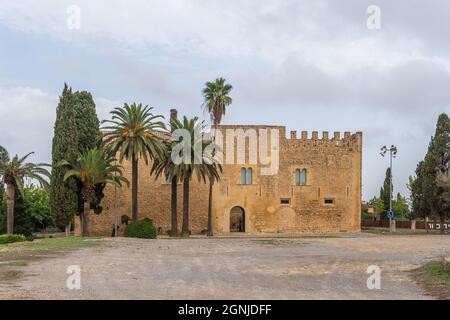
(63, 194)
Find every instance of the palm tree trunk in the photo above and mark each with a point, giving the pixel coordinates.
(185, 229)
(173, 207)
(210, 228)
(134, 189)
(85, 219)
(10, 199)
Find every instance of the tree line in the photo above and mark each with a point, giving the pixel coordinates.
(86, 156)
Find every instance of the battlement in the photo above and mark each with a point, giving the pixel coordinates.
(314, 136)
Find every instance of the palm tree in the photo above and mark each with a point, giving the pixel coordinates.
(94, 167)
(3, 157)
(212, 171)
(13, 172)
(216, 99)
(201, 164)
(164, 164)
(134, 133)
(166, 167)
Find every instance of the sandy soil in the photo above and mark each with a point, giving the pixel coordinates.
(231, 268)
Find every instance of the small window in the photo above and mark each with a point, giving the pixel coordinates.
(328, 201)
(297, 177)
(304, 177)
(285, 201)
(301, 177)
(246, 176)
(249, 176)
(243, 175)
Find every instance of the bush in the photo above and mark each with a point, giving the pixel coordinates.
(141, 229)
(31, 213)
(11, 238)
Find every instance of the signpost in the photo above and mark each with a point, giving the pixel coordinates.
(390, 215)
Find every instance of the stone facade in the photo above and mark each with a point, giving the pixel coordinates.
(330, 201)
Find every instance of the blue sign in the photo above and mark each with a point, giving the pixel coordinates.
(390, 214)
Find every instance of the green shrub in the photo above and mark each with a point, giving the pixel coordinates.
(11, 238)
(141, 229)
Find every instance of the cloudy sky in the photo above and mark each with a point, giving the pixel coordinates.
(309, 65)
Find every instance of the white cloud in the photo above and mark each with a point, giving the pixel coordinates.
(27, 119)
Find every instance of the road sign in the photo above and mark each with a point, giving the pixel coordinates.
(390, 214)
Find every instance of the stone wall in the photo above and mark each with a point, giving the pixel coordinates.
(334, 172)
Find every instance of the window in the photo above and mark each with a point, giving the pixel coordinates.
(304, 179)
(328, 201)
(243, 175)
(249, 176)
(246, 176)
(285, 201)
(297, 177)
(301, 177)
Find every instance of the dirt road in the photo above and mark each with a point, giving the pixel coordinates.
(230, 268)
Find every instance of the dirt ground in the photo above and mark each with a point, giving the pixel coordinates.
(228, 268)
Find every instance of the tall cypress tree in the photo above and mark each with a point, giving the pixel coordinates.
(63, 194)
(88, 125)
(22, 218)
(429, 196)
(416, 185)
(385, 194)
(89, 136)
(437, 157)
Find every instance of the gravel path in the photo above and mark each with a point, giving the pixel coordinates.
(233, 268)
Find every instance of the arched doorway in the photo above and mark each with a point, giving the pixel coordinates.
(237, 219)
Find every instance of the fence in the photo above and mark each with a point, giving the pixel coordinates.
(404, 224)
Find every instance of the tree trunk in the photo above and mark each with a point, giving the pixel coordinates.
(10, 199)
(173, 207)
(85, 219)
(134, 189)
(210, 228)
(68, 227)
(442, 218)
(426, 223)
(185, 229)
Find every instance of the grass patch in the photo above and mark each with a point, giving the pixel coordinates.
(435, 279)
(52, 244)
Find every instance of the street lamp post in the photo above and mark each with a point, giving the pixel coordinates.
(392, 154)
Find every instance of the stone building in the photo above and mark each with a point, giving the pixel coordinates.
(316, 189)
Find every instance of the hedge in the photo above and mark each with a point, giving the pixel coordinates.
(11, 238)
